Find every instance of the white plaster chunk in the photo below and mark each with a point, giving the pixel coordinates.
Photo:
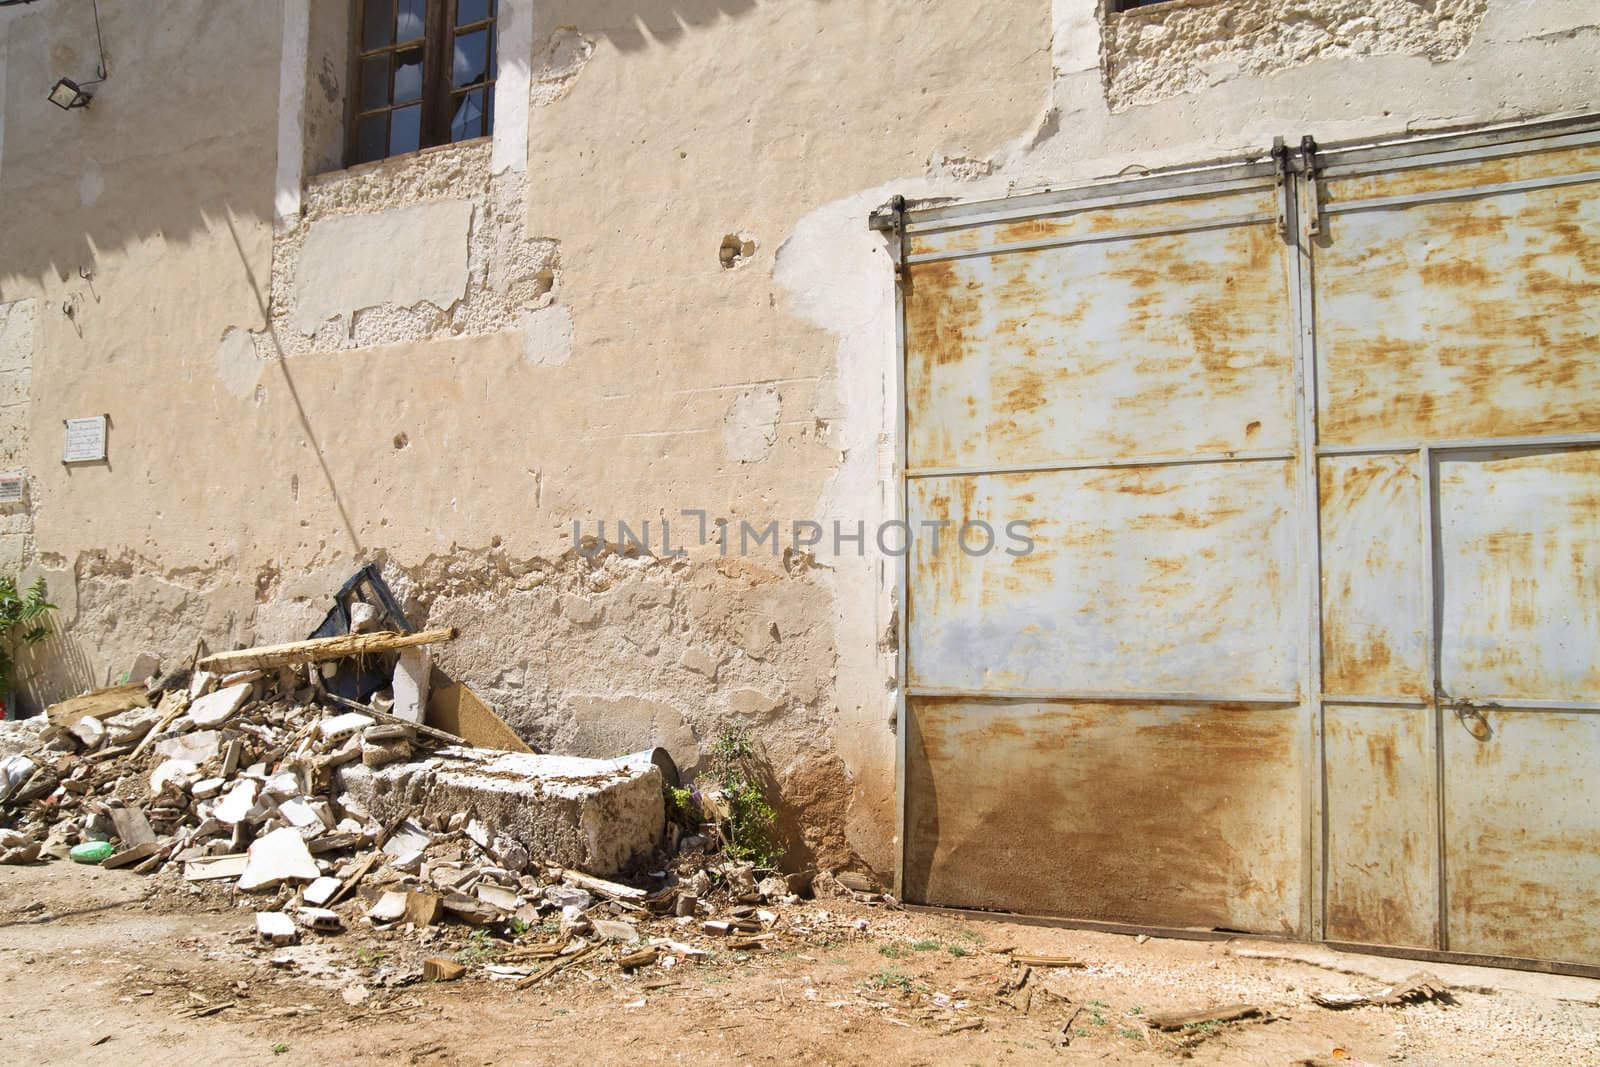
(547, 336)
(401, 257)
(411, 684)
(321, 891)
(214, 709)
(197, 747)
(89, 730)
(363, 617)
(750, 428)
(178, 771)
(235, 807)
(280, 856)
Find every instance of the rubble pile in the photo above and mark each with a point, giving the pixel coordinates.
(324, 816)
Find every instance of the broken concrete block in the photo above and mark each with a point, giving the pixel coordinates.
(89, 730)
(197, 747)
(180, 772)
(201, 683)
(236, 804)
(411, 673)
(614, 930)
(132, 826)
(363, 617)
(497, 896)
(322, 920)
(214, 868)
(581, 813)
(376, 754)
(391, 907)
(276, 927)
(214, 709)
(565, 896)
(439, 969)
(206, 788)
(320, 891)
(278, 857)
(335, 727)
(145, 666)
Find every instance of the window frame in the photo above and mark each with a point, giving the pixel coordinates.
(439, 96)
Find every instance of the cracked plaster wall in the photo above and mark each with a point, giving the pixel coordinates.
(603, 362)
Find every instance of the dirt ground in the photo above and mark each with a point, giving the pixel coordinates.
(107, 967)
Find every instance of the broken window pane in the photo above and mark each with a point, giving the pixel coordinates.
(468, 121)
(408, 76)
(471, 58)
(377, 24)
(405, 129)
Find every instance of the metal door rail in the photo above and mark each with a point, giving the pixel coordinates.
(1097, 238)
(1392, 164)
(1094, 203)
(1102, 464)
(1090, 696)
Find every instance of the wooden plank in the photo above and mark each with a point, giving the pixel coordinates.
(601, 886)
(454, 707)
(1225, 1013)
(101, 703)
(320, 649)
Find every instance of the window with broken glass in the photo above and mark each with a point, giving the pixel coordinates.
(424, 75)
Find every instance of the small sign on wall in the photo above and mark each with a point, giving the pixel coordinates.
(86, 440)
(11, 488)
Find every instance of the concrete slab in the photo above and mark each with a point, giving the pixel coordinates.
(584, 813)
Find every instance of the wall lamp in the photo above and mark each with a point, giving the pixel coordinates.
(68, 94)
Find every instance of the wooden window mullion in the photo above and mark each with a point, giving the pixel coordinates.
(436, 79)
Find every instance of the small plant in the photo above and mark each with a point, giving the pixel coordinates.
(1123, 1031)
(925, 945)
(20, 620)
(894, 950)
(279, 1049)
(958, 950)
(749, 829)
(892, 980)
(479, 949)
(518, 927)
(683, 808)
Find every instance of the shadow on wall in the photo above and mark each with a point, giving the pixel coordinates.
(181, 135)
(51, 670)
(632, 25)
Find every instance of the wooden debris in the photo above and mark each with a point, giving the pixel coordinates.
(1032, 960)
(1222, 1013)
(355, 877)
(455, 708)
(176, 704)
(563, 962)
(100, 703)
(1414, 990)
(965, 1024)
(642, 958)
(319, 650)
(600, 885)
(439, 969)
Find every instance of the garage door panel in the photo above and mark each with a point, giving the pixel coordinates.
(1382, 862)
(1153, 347)
(1521, 823)
(1461, 319)
(1162, 814)
(1520, 568)
(1149, 579)
(1374, 611)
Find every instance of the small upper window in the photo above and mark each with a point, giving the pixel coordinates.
(424, 75)
(1129, 5)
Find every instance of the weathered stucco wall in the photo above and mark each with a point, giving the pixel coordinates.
(440, 362)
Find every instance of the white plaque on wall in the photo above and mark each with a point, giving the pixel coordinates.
(11, 488)
(86, 440)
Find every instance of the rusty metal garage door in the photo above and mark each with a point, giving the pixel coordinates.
(1308, 640)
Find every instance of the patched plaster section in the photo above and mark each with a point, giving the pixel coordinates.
(238, 366)
(409, 249)
(1152, 53)
(750, 428)
(403, 256)
(560, 60)
(547, 336)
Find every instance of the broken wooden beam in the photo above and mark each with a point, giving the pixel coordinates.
(1225, 1013)
(601, 886)
(100, 703)
(319, 650)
